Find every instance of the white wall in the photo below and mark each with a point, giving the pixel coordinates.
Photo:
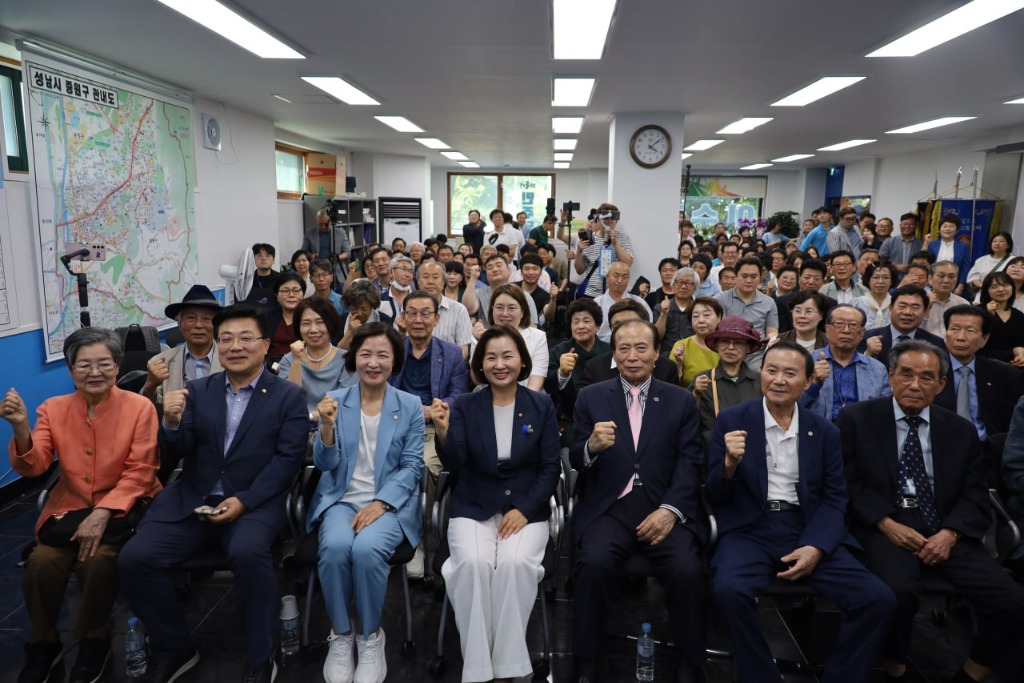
(236, 203)
(589, 187)
(859, 178)
(404, 176)
(289, 228)
(904, 179)
(785, 191)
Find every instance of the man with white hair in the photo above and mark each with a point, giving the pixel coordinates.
(618, 279)
(402, 271)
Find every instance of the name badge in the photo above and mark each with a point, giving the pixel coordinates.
(605, 259)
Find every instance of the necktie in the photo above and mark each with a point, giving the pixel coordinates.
(903, 338)
(912, 470)
(963, 394)
(636, 419)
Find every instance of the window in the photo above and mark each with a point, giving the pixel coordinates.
(291, 172)
(486, 191)
(12, 102)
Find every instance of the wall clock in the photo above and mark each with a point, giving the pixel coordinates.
(650, 146)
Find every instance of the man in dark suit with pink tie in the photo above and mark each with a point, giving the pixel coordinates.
(639, 455)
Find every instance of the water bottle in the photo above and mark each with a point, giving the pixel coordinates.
(134, 650)
(645, 655)
(289, 626)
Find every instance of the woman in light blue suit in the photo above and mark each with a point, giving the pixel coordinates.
(370, 449)
(949, 248)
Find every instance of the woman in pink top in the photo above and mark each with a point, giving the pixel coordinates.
(106, 439)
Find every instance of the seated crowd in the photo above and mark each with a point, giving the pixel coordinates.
(885, 370)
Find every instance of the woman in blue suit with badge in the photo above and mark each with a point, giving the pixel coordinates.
(501, 445)
(370, 449)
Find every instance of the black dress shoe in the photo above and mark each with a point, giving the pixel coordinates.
(93, 655)
(40, 660)
(170, 669)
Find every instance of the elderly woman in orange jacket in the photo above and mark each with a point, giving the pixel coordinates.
(106, 440)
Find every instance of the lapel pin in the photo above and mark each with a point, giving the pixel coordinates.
(263, 391)
(810, 433)
(520, 414)
(656, 399)
(527, 429)
(394, 417)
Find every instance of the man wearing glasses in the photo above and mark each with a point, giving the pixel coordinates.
(403, 270)
(846, 235)
(841, 375)
(240, 435)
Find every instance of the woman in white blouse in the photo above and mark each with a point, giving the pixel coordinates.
(880, 278)
(1000, 251)
(509, 307)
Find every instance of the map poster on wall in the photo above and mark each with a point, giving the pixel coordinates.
(113, 168)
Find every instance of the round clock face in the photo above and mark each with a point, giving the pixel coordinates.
(650, 146)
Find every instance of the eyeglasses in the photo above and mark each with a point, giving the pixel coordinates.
(908, 378)
(404, 269)
(511, 308)
(421, 315)
(320, 276)
(290, 291)
(853, 327)
(244, 340)
(86, 368)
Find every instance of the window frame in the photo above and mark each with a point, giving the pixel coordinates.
(17, 164)
(295, 151)
(501, 199)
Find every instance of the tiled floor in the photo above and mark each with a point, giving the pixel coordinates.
(210, 608)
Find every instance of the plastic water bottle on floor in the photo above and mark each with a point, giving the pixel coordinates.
(645, 655)
(289, 626)
(134, 650)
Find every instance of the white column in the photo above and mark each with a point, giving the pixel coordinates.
(647, 197)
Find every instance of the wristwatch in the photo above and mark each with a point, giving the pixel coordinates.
(387, 508)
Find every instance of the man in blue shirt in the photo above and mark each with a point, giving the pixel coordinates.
(818, 238)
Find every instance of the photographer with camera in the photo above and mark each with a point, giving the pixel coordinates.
(603, 234)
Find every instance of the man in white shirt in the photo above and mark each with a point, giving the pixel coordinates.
(942, 283)
(453, 324)
(501, 234)
(618, 279)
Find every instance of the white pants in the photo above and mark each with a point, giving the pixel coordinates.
(492, 584)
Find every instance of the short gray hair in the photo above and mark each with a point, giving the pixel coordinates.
(935, 266)
(920, 346)
(87, 336)
(402, 258)
(684, 272)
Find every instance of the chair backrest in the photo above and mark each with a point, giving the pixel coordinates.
(139, 344)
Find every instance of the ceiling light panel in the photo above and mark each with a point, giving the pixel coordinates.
(455, 156)
(565, 144)
(792, 157)
(566, 125)
(563, 156)
(1019, 100)
(845, 145)
(823, 87)
(572, 92)
(399, 123)
(561, 164)
(963, 19)
(236, 28)
(754, 167)
(701, 145)
(743, 126)
(580, 27)
(340, 89)
(432, 143)
(469, 164)
(928, 125)
(685, 155)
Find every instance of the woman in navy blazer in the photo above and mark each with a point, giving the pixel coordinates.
(502, 446)
(961, 250)
(370, 449)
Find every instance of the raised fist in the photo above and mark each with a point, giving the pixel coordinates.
(13, 408)
(174, 406)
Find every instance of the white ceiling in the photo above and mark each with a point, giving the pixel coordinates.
(477, 73)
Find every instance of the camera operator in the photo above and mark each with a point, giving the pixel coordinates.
(602, 233)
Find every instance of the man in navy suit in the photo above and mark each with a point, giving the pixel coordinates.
(242, 434)
(909, 310)
(779, 498)
(638, 451)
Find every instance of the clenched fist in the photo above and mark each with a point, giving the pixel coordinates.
(13, 409)
(874, 346)
(174, 406)
(567, 362)
(328, 410)
(158, 372)
(735, 448)
(439, 414)
(602, 438)
(701, 384)
(298, 348)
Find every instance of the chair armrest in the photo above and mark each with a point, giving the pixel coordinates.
(1002, 514)
(438, 521)
(712, 522)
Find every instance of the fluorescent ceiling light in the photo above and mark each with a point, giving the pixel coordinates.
(743, 126)
(845, 145)
(432, 143)
(754, 167)
(469, 164)
(399, 123)
(962, 20)
(455, 156)
(572, 92)
(563, 156)
(823, 87)
(568, 144)
(702, 145)
(566, 125)
(283, 99)
(792, 157)
(236, 28)
(580, 27)
(928, 125)
(684, 156)
(340, 89)
(1019, 100)
(561, 164)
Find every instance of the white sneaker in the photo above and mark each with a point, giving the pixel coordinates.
(414, 570)
(372, 667)
(339, 667)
